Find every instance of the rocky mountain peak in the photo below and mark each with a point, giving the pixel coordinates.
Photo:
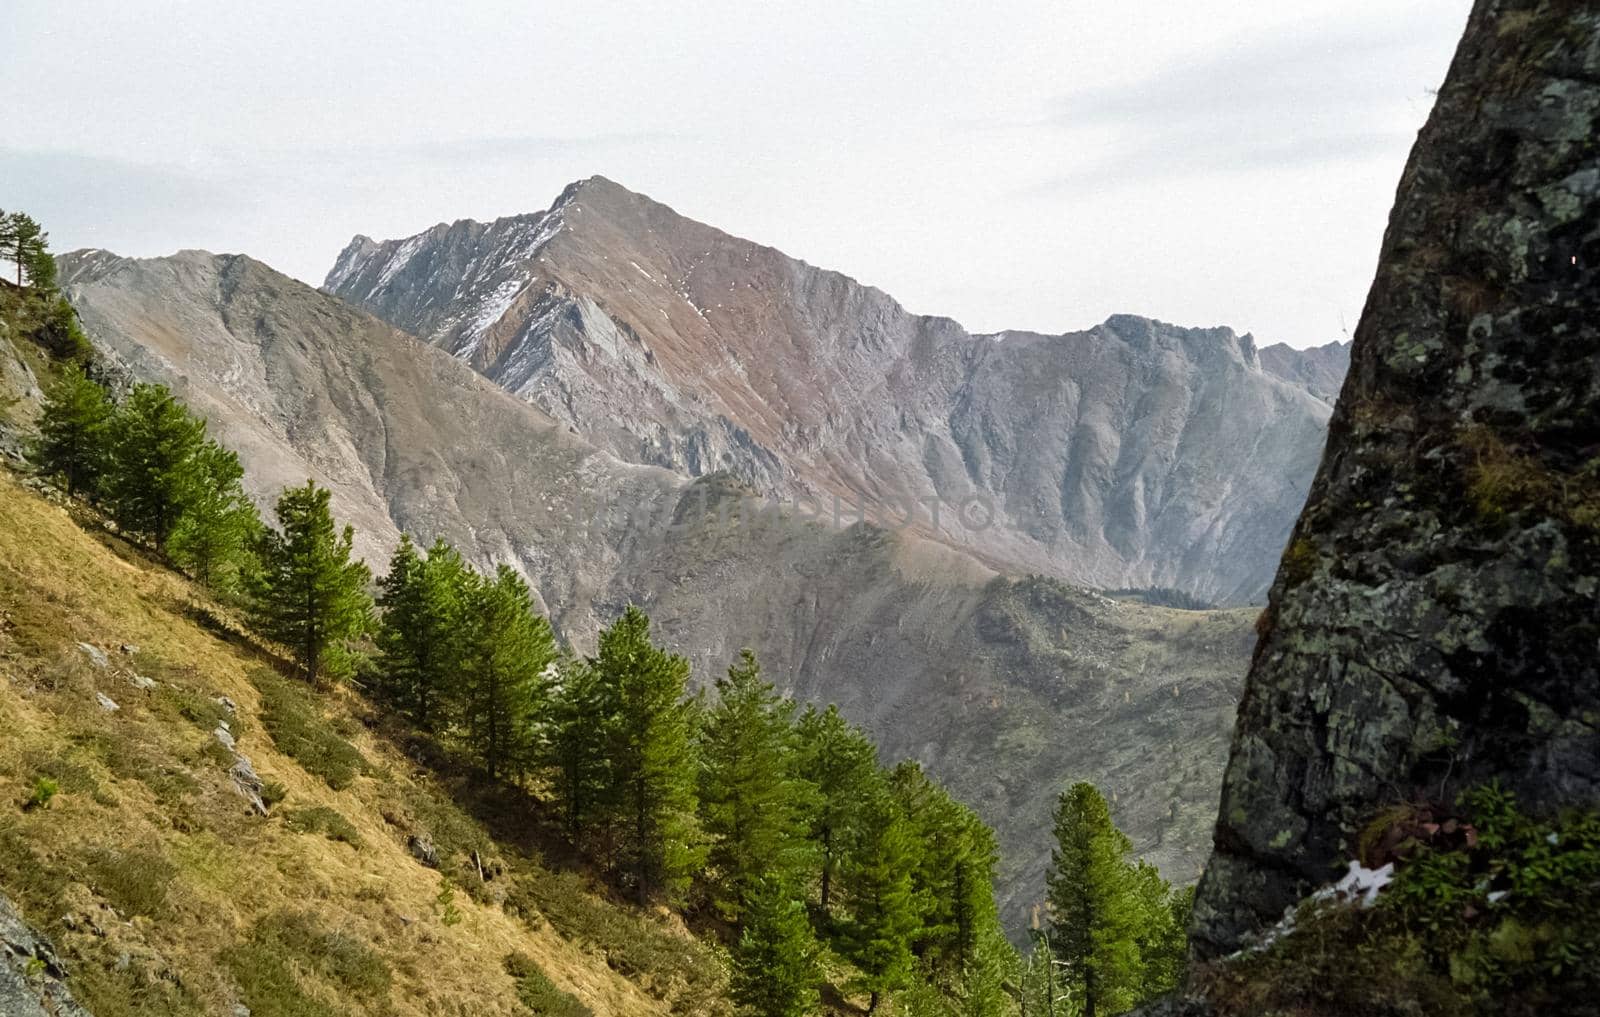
(670, 343)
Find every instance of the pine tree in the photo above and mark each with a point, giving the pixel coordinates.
(651, 757)
(503, 687)
(582, 713)
(1161, 931)
(841, 763)
(73, 431)
(422, 639)
(954, 880)
(219, 526)
(775, 967)
(1094, 918)
(311, 596)
(153, 471)
(24, 242)
(883, 906)
(752, 799)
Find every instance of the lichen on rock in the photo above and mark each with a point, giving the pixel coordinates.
(1436, 623)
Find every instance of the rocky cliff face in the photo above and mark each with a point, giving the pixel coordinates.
(943, 660)
(1435, 622)
(1173, 458)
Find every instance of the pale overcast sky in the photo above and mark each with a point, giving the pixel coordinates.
(1035, 165)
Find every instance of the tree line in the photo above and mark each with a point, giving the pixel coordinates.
(776, 821)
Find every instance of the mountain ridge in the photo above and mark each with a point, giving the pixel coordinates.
(673, 343)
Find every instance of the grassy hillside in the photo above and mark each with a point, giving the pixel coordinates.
(167, 894)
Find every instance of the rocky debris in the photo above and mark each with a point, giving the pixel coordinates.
(242, 772)
(128, 649)
(1433, 623)
(139, 681)
(106, 702)
(421, 847)
(32, 975)
(248, 783)
(227, 704)
(97, 656)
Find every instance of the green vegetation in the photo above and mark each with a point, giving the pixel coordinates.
(753, 802)
(35, 308)
(73, 428)
(1114, 924)
(44, 789)
(538, 993)
(290, 967)
(775, 969)
(311, 596)
(326, 821)
(295, 721)
(135, 882)
(1491, 911)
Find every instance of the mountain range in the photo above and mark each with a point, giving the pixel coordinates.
(544, 426)
(1135, 454)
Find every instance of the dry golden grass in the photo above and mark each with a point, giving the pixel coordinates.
(140, 786)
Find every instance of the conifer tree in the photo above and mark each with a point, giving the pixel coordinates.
(422, 638)
(883, 906)
(651, 757)
(582, 713)
(503, 686)
(1094, 917)
(73, 431)
(219, 527)
(310, 595)
(153, 470)
(954, 880)
(752, 799)
(841, 764)
(775, 967)
(23, 241)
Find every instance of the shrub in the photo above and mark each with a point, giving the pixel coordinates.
(286, 948)
(44, 789)
(538, 993)
(325, 821)
(295, 722)
(135, 882)
(273, 793)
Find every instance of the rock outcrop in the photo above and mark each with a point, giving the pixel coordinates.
(32, 975)
(1135, 454)
(1435, 622)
